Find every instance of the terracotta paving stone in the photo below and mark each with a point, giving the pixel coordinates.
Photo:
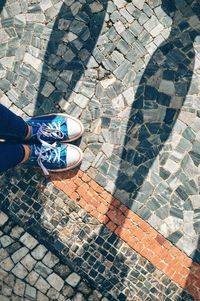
(130, 70)
(146, 240)
(145, 247)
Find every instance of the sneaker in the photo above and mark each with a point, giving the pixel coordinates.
(54, 128)
(54, 158)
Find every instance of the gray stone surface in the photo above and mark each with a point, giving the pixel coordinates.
(131, 74)
(73, 279)
(29, 241)
(19, 280)
(50, 260)
(55, 281)
(91, 249)
(3, 218)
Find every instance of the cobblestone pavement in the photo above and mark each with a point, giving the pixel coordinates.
(130, 71)
(28, 271)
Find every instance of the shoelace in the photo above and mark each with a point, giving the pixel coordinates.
(49, 130)
(43, 156)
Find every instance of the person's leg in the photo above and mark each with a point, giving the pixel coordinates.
(11, 125)
(11, 154)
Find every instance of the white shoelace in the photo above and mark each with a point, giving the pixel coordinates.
(49, 130)
(43, 156)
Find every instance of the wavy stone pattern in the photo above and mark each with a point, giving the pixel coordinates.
(131, 72)
(108, 267)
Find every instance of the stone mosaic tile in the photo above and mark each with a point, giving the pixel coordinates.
(130, 70)
(29, 271)
(95, 253)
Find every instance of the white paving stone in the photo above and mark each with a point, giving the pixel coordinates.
(55, 281)
(35, 17)
(6, 240)
(7, 264)
(138, 3)
(19, 254)
(29, 262)
(81, 100)
(129, 96)
(53, 294)
(42, 269)
(7, 62)
(4, 37)
(50, 260)
(42, 285)
(73, 279)
(119, 26)
(151, 24)
(108, 81)
(20, 271)
(28, 240)
(118, 102)
(167, 87)
(3, 218)
(107, 148)
(126, 15)
(195, 201)
(171, 166)
(39, 252)
(157, 30)
(16, 232)
(33, 61)
(41, 297)
(32, 277)
(120, 3)
(3, 254)
(45, 4)
(19, 287)
(30, 292)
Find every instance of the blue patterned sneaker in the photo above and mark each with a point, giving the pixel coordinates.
(54, 158)
(54, 128)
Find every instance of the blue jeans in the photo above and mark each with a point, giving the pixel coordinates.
(12, 128)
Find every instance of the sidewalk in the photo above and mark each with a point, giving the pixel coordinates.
(128, 221)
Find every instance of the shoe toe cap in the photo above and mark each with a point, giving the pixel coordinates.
(74, 156)
(74, 128)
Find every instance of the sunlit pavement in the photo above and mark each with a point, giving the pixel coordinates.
(127, 222)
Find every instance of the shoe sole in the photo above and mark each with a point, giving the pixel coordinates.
(68, 116)
(71, 166)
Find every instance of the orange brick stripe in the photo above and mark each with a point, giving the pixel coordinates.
(138, 234)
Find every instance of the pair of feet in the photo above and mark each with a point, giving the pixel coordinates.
(48, 142)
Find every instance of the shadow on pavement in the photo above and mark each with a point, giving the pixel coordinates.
(152, 117)
(192, 282)
(158, 102)
(73, 38)
(2, 4)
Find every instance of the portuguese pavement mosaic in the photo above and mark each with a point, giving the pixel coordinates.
(130, 71)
